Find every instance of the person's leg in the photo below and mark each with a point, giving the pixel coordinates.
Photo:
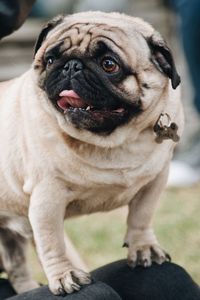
(95, 291)
(159, 282)
(185, 170)
(6, 289)
(189, 11)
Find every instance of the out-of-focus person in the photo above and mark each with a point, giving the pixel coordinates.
(185, 171)
(50, 8)
(13, 13)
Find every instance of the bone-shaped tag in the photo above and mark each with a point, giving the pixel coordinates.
(165, 129)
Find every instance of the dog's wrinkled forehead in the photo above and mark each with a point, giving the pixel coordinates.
(81, 32)
(82, 37)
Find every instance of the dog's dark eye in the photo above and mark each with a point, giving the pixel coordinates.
(49, 61)
(109, 65)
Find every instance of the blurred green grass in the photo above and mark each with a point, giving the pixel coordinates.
(99, 237)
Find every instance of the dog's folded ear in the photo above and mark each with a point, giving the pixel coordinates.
(49, 26)
(162, 58)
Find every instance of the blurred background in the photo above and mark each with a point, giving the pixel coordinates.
(99, 237)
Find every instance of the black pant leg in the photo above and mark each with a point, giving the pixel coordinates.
(159, 282)
(95, 291)
(165, 282)
(6, 289)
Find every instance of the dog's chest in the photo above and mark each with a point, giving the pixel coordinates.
(107, 189)
(90, 167)
(99, 199)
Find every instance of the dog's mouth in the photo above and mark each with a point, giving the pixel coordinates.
(97, 119)
(70, 101)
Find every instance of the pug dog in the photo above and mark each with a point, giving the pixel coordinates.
(79, 134)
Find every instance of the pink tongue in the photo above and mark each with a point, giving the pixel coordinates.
(69, 93)
(70, 98)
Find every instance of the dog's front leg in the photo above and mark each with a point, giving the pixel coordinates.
(47, 209)
(143, 247)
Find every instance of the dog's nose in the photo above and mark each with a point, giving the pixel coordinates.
(72, 67)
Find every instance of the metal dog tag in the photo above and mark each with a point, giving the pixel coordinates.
(165, 129)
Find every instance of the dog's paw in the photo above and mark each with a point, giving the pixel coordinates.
(22, 286)
(143, 248)
(145, 255)
(69, 282)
